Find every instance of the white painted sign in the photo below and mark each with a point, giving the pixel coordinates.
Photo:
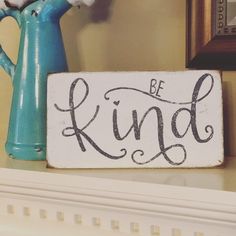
(135, 119)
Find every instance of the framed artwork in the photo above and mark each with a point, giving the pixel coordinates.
(211, 34)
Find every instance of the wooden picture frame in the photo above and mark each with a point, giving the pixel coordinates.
(211, 42)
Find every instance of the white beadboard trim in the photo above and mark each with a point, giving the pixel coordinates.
(24, 193)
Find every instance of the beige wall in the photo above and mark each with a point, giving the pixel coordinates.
(122, 35)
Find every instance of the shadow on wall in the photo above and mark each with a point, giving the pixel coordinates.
(101, 10)
(126, 35)
(229, 118)
(77, 19)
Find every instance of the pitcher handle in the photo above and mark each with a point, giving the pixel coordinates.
(5, 61)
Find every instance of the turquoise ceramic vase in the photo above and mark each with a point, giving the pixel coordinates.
(41, 52)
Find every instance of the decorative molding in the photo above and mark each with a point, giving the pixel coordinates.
(59, 201)
(220, 16)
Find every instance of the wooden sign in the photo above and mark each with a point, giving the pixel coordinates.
(135, 120)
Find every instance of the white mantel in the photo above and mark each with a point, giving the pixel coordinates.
(188, 202)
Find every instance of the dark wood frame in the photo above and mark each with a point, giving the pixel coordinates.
(211, 44)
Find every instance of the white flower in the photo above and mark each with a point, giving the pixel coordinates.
(80, 2)
(21, 3)
(18, 3)
(2, 5)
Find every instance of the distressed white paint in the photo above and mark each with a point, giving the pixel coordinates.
(194, 139)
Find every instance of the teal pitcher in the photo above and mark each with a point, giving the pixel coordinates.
(41, 52)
